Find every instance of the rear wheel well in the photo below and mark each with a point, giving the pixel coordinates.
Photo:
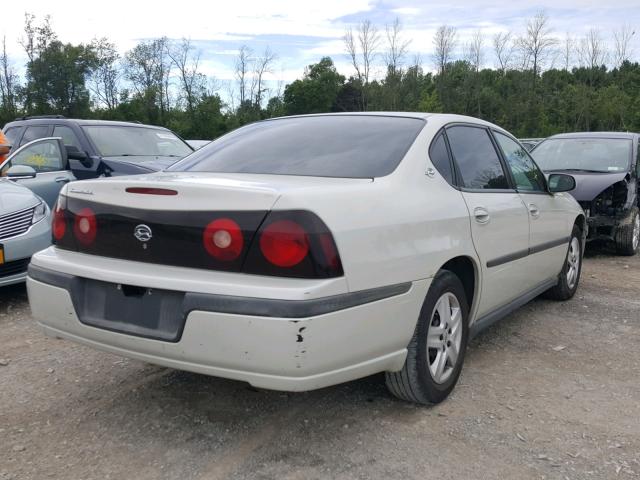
(464, 269)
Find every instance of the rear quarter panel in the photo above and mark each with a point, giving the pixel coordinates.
(398, 228)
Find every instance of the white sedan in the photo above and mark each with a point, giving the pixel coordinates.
(301, 252)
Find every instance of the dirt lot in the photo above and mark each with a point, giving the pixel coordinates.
(551, 392)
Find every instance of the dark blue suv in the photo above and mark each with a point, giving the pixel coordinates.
(49, 151)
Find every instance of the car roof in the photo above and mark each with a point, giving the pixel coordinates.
(60, 121)
(441, 118)
(628, 135)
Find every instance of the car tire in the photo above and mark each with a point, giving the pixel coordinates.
(569, 277)
(429, 374)
(628, 235)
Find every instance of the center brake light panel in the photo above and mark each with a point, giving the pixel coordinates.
(291, 243)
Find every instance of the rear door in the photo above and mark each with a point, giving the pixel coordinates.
(48, 158)
(548, 229)
(499, 218)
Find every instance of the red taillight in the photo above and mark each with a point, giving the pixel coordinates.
(284, 243)
(330, 251)
(59, 226)
(151, 191)
(223, 239)
(85, 227)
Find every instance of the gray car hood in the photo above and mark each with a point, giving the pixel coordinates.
(590, 185)
(14, 197)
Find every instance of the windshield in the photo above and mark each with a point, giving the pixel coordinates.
(348, 146)
(118, 141)
(587, 154)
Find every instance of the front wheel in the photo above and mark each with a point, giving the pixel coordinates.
(572, 268)
(628, 234)
(436, 352)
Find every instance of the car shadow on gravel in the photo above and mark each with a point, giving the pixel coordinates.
(13, 294)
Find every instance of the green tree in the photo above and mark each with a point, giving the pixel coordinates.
(56, 80)
(317, 91)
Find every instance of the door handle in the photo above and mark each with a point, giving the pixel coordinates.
(63, 180)
(534, 210)
(481, 215)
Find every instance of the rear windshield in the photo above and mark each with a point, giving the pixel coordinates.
(349, 146)
(586, 154)
(118, 141)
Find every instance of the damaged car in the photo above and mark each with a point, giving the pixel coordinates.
(302, 252)
(606, 167)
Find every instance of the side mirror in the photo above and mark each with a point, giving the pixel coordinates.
(74, 153)
(560, 182)
(21, 172)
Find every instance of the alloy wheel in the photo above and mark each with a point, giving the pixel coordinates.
(444, 337)
(636, 232)
(573, 263)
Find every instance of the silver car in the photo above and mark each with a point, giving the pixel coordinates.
(25, 228)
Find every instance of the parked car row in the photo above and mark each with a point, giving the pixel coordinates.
(301, 252)
(53, 150)
(291, 262)
(45, 153)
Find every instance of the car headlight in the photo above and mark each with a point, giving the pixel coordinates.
(39, 212)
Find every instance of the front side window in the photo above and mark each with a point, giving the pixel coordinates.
(348, 146)
(439, 156)
(588, 154)
(44, 156)
(33, 133)
(526, 174)
(124, 141)
(476, 158)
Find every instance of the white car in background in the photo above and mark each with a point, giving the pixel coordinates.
(198, 144)
(302, 252)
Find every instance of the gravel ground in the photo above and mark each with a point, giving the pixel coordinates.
(552, 392)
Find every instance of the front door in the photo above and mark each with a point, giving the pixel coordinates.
(47, 156)
(499, 219)
(548, 229)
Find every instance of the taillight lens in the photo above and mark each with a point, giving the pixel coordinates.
(293, 243)
(284, 243)
(223, 239)
(85, 227)
(59, 224)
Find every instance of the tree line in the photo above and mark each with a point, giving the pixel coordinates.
(533, 83)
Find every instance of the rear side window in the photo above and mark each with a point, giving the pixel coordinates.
(12, 135)
(67, 134)
(34, 132)
(439, 156)
(349, 146)
(476, 158)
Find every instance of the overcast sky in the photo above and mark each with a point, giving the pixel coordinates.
(301, 32)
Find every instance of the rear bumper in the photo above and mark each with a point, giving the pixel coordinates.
(270, 343)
